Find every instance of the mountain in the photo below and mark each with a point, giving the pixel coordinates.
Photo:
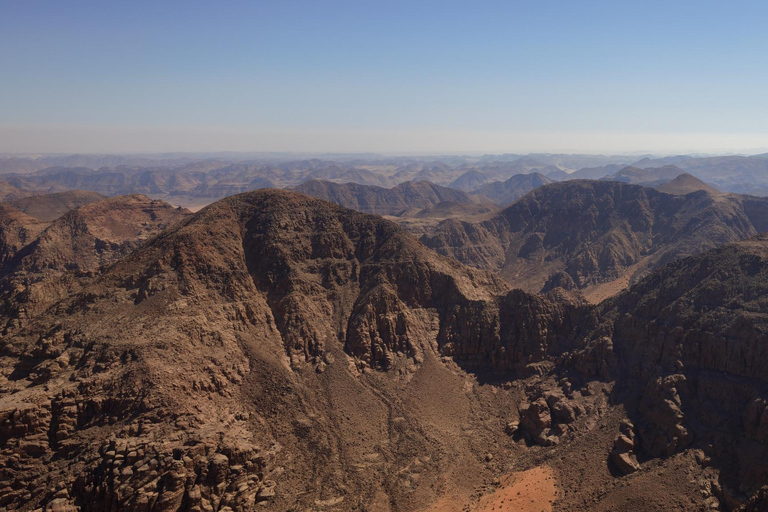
(383, 201)
(685, 184)
(272, 348)
(558, 175)
(49, 207)
(281, 352)
(731, 173)
(224, 188)
(10, 192)
(74, 248)
(595, 173)
(200, 179)
(470, 180)
(509, 191)
(339, 174)
(504, 170)
(581, 234)
(651, 162)
(650, 176)
(435, 172)
(688, 350)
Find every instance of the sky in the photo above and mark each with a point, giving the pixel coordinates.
(384, 76)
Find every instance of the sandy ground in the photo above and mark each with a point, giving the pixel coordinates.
(525, 491)
(598, 293)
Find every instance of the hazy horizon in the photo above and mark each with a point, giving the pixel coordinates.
(398, 77)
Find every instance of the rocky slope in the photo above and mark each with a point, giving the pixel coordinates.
(74, 248)
(408, 196)
(687, 347)
(49, 207)
(17, 229)
(579, 234)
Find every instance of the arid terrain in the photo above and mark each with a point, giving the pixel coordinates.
(496, 343)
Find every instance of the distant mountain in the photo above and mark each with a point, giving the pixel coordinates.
(434, 172)
(223, 188)
(9, 192)
(579, 234)
(48, 207)
(196, 180)
(557, 175)
(502, 171)
(383, 201)
(649, 162)
(470, 180)
(733, 173)
(509, 191)
(685, 184)
(595, 173)
(340, 174)
(567, 161)
(650, 176)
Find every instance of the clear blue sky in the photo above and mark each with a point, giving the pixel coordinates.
(382, 75)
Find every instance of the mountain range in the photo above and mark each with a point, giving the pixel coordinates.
(592, 346)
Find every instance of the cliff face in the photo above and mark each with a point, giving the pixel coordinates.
(689, 346)
(580, 233)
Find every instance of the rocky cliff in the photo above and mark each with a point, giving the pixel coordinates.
(687, 350)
